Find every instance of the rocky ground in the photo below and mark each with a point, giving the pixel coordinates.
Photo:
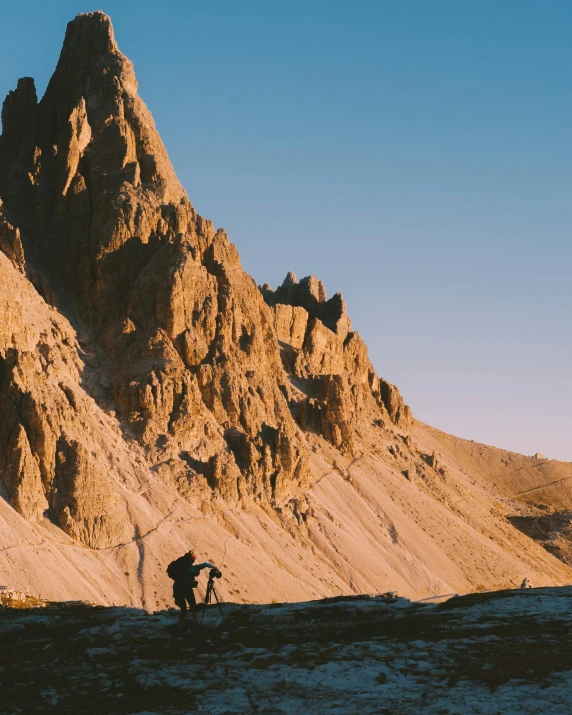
(502, 652)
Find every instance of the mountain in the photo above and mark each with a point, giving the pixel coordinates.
(153, 396)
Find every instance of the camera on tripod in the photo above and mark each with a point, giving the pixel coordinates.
(211, 593)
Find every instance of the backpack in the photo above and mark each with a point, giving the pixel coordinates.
(178, 568)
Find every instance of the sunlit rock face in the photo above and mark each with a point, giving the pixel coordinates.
(188, 351)
(153, 396)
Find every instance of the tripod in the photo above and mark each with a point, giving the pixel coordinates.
(211, 592)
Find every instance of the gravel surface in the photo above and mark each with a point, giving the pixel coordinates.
(501, 652)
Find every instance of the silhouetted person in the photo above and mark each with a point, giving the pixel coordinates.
(184, 573)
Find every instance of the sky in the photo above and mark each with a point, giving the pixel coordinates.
(416, 156)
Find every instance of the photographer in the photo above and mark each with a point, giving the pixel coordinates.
(184, 573)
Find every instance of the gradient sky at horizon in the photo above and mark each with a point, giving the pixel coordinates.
(414, 155)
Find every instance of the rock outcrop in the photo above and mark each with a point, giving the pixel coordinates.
(189, 350)
(151, 394)
(337, 387)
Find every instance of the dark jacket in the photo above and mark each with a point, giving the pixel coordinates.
(188, 571)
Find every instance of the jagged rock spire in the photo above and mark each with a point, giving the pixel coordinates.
(196, 366)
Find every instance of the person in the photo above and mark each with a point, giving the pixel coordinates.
(184, 572)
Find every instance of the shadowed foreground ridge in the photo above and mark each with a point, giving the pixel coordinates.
(152, 395)
(505, 652)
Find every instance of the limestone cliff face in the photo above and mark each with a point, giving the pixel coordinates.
(337, 387)
(152, 396)
(148, 313)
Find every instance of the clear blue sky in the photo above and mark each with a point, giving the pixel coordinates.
(416, 155)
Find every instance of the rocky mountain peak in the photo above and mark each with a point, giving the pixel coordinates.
(89, 55)
(19, 109)
(93, 30)
(152, 396)
(219, 383)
